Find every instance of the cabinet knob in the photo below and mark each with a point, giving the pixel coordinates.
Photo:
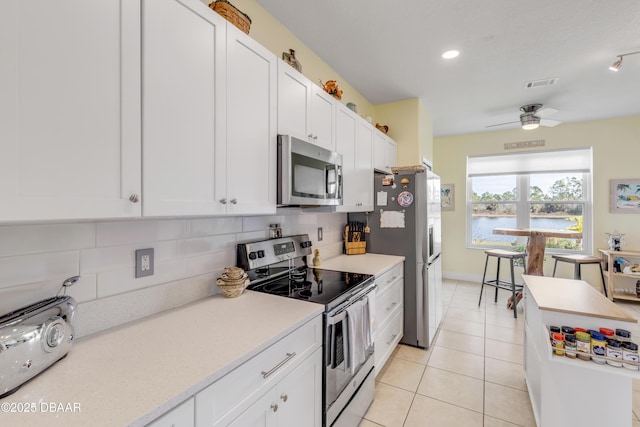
(234, 201)
(310, 135)
(274, 407)
(223, 201)
(134, 198)
(284, 397)
(315, 137)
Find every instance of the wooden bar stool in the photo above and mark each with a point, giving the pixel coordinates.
(578, 261)
(502, 284)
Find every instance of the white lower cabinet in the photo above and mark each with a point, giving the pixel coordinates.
(295, 401)
(389, 314)
(282, 385)
(181, 416)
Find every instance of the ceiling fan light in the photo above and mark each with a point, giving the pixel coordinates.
(616, 65)
(529, 121)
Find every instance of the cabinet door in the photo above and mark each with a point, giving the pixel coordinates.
(182, 416)
(392, 153)
(251, 127)
(183, 107)
(294, 102)
(299, 395)
(346, 125)
(364, 166)
(323, 113)
(69, 110)
(380, 152)
(261, 414)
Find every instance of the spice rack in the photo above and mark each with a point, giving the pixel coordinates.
(612, 277)
(590, 364)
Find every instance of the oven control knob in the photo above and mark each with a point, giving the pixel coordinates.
(305, 244)
(261, 254)
(253, 255)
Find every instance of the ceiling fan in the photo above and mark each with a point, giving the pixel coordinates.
(533, 115)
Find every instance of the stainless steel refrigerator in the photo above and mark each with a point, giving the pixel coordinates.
(406, 222)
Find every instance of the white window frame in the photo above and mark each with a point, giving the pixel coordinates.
(523, 209)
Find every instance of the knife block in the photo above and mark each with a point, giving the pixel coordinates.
(354, 243)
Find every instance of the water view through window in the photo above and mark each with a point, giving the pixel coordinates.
(549, 201)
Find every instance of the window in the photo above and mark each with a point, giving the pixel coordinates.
(548, 190)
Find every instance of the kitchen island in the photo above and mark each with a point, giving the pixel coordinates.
(135, 373)
(566, 391)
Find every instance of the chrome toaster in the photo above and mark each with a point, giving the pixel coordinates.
(34, 338)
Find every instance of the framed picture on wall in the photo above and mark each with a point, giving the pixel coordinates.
(447, 197)
(624, 196)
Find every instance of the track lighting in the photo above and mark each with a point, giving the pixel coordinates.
(616, 65)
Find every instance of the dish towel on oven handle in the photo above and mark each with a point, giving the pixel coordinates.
(360, 337)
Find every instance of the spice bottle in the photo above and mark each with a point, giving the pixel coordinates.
(558, 344)
(570, 346)
(630, 355)
(553, 330)
(609, 334)
(614, 353)
(598, 348)
(623, 335)
(583, 343)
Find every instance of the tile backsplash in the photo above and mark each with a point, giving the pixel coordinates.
(189, 255)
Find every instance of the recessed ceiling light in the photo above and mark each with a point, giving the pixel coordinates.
(450, 54)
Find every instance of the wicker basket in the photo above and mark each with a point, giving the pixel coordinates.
(231, 14)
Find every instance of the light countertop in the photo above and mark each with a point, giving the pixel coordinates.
(368, 263)
(573, 297)
(134, 373)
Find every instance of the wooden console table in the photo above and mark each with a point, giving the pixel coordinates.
(537, 243)
(612, 276)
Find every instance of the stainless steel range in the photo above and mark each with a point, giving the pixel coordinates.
(278, 266)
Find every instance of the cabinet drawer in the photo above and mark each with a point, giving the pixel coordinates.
(387, 339)
(236, 391)
(387, 301)
(388, 277)
(177, 417)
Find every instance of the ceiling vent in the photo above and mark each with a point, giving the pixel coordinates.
(541, 82)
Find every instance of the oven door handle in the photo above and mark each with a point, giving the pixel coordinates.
(341, 309)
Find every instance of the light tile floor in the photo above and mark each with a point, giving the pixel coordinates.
(472, 376)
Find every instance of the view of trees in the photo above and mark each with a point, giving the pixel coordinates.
(563, 190)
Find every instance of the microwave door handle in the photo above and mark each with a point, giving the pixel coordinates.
(330, 180)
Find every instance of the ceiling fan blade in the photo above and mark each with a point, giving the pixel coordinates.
(502, 124)
(549, 123)
(545, 112)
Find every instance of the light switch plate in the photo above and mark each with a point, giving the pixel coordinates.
(144, 262)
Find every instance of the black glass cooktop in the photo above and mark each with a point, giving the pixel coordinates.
(312, 284)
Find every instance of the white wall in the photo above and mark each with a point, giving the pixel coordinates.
(189, 255)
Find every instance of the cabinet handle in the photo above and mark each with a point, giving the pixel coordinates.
(284, 397)
(270, 372)
(234, 201)
(310, 135)
(315, 137)
(274, 407)
(134, 198)
(223, 201)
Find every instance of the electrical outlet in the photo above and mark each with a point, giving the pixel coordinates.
(319, 234)
(144, 262)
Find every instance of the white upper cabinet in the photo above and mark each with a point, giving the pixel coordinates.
(385, 152)
(354, 142)
(69, 109)
(250, 167)
(305, 110)
(183, 115)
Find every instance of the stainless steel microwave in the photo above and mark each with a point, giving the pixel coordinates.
(308, 174)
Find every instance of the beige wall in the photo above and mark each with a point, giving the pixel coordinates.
(270, 33)
(616, 155)
(410, 126)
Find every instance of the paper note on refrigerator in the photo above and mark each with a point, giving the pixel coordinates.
(392, 219)
(381, 198)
